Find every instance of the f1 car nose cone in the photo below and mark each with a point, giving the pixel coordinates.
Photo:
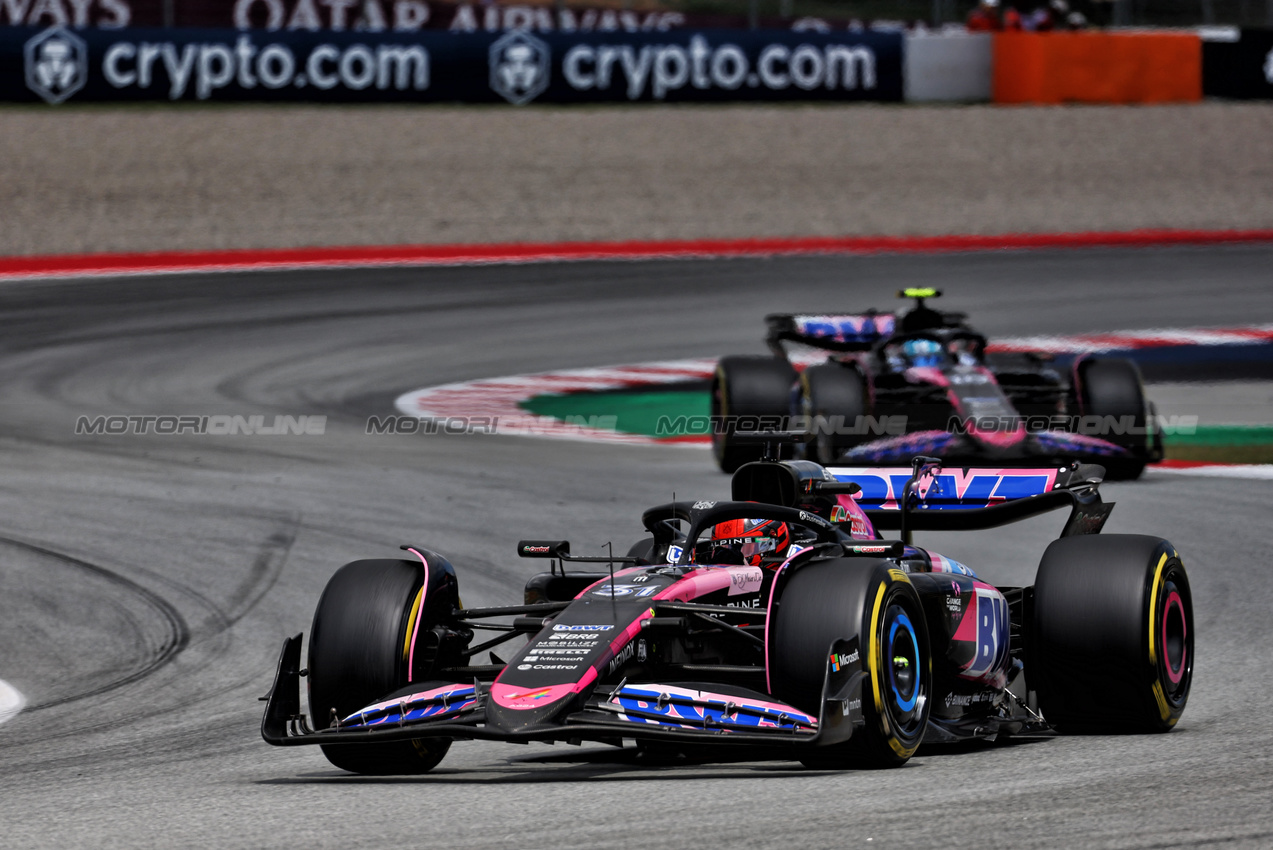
(526, 699)
(514, 709)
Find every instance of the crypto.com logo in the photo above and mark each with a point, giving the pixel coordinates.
(56, 64)
(520, 67)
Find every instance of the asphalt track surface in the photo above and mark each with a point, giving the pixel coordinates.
(149, 580)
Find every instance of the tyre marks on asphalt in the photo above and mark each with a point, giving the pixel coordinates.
(111, 631)
(265, 570)
(158, 631)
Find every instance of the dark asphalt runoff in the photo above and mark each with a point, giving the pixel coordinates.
(146, 581)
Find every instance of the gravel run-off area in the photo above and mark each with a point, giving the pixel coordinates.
(89, 179)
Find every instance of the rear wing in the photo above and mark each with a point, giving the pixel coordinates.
(831, 332)
(964, 489)
(977, 498)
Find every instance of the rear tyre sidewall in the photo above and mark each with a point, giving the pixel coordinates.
(1112, 387)
(1111, 645)
(746, 387)
(357, 653)
(832, 390)
(841, 599)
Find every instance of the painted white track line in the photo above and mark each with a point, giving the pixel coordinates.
(1258, 471)
(11, 701)
(499, 398)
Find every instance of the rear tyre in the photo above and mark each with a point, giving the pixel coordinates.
(1112, 387)
(832, 600)
(1112, 639)
(358, 648)
(832, 396)
(744, 388)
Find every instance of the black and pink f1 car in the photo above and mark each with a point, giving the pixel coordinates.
(892, 386)
(840, 648)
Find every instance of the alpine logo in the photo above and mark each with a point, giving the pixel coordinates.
(56, 64)
(520, 67)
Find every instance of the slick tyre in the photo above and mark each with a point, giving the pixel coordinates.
(832, 397)
(1111, 389)
(1111, 641)
(358, 648)
(753, 391)
(832, 600)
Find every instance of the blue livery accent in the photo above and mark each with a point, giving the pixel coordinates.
(881, 488)
(678, 713)
(445, 704)
(1065, 443)
(865, 329)
(902, 449)
(902, 621)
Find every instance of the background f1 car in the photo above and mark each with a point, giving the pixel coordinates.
(842, 649)
(929, 372)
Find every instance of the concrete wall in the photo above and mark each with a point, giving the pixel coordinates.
(947, 66)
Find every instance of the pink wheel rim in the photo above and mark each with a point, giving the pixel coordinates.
(1174, 601)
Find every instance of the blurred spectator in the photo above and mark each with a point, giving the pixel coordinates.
(1042, 19)
(1057, 15)
(985, 18)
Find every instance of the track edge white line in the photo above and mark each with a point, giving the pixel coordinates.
(11, 701)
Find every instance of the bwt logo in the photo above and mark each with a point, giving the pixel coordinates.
(846, 328)
(56, 64)
(520, 67)
(882, 487)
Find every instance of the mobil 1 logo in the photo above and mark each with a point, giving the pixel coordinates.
(56, 64)
(521, 66)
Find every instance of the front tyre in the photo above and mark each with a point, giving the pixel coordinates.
(1113, 634)
(358, 651)
(840, 599)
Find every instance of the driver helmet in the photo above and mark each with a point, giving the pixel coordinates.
(749, 539)
(922, 352)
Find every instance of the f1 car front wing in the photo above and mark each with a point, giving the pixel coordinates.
(641, 712)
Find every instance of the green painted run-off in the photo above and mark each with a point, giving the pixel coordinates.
(640, 412)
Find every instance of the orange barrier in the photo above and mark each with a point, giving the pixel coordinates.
(1097, 67)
